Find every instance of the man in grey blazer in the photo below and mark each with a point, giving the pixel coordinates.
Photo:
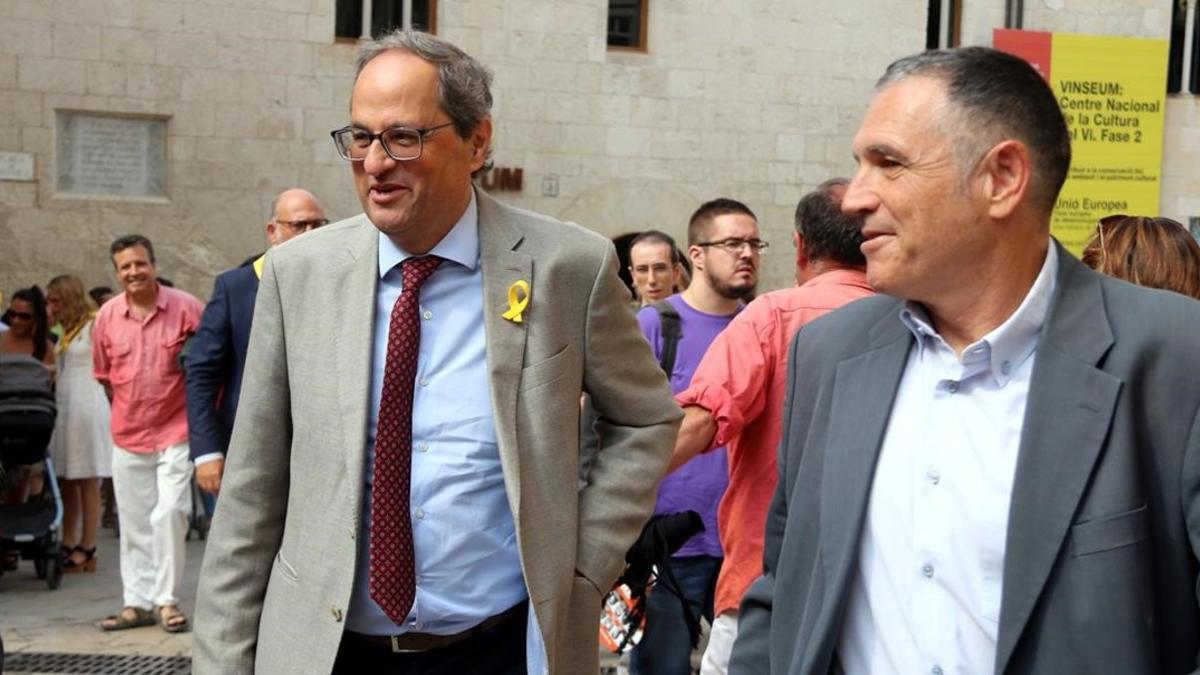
(997, 469)
(454, 537)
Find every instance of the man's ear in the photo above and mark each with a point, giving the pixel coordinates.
(801, 257)
(272, 232)
(1007, 173)
(481, 140)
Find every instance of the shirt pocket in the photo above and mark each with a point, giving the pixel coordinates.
(121, 367)
(171, 347)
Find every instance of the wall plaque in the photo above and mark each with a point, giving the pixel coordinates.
(108, 155)
(16, 166)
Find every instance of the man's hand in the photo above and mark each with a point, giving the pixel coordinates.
(208, 475)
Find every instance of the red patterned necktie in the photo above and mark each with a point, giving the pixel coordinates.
(392, 580)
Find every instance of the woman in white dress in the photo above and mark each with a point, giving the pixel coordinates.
(82, 444)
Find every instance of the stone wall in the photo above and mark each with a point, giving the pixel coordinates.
(751, 100)
(250, 93)
(754, 100)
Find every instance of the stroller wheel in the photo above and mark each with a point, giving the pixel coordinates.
(55, 573)
(39, 566)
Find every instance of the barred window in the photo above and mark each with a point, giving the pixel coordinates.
(354, 19)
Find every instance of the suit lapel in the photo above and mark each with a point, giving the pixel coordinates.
(1067, 417)
(352, 309)
(502, 265)
(863, 392)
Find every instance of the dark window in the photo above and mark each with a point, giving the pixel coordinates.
(386, 15)
(627, 24)
(933, 25)
(1194, 84)
(347, 22)
(1175, 58)
(423, 15)
(943, 24)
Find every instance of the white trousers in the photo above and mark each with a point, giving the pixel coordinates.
(720, 645)
(154, 500)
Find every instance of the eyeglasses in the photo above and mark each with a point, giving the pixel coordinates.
(656, 268)
(734, 245)
(400, 143)
(24, 316)
(303, 225)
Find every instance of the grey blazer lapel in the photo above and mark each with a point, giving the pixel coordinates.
(352, 315)
(503, 265)
(1067, 416)
(864, 390)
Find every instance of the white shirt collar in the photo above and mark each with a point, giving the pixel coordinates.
(1011, 342)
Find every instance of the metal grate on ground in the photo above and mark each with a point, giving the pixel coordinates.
(87, 664)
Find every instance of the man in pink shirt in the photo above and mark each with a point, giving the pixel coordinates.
(736, 395)
(136, 341)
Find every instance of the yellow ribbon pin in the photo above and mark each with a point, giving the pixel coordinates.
(518, 300)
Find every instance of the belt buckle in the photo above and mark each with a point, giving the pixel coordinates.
(396, 646)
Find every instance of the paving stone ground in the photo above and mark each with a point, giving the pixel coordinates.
(36, 619)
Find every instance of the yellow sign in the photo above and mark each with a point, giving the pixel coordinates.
(1111, 91)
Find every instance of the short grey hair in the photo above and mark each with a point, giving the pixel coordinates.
(464, 84)
(997, 96)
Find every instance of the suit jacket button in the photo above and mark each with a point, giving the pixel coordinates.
(337, 614)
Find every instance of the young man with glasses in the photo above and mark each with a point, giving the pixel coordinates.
(724, 246)
(403, 490)
(736, 399)
(654, 266)
(216, 356)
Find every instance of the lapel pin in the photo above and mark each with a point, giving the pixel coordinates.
(518, 300)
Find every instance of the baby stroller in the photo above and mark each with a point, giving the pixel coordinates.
(29, 530)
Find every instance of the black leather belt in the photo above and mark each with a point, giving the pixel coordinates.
(423, 642)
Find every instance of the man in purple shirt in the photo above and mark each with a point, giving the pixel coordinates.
(724, 247)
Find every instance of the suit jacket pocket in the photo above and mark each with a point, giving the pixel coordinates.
(1109, 532)
(549, 369)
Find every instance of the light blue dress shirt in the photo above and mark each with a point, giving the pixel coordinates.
(929, 578)
(467, 563)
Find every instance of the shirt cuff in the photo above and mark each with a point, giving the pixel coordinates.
(207, 457)
(719, 404)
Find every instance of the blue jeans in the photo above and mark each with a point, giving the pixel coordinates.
(666, 646)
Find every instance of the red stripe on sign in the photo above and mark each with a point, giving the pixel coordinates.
(1033, 46)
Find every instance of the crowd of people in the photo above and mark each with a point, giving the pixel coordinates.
(950, 447)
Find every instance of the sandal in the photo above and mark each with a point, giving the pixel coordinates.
(88, 564)
(171, 619)
(128, 617)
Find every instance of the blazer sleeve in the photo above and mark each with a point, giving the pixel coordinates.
(208, 360)
(248, 527)
(636, 419)
(1190, 492)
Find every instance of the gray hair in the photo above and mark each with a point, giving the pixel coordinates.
(997, 96)
(464, 84)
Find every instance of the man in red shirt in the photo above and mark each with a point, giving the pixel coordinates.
(736, 395)
(136, 341)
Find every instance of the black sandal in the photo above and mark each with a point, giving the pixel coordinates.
(88, 564)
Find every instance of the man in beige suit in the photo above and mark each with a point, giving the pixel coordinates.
(430, 354)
